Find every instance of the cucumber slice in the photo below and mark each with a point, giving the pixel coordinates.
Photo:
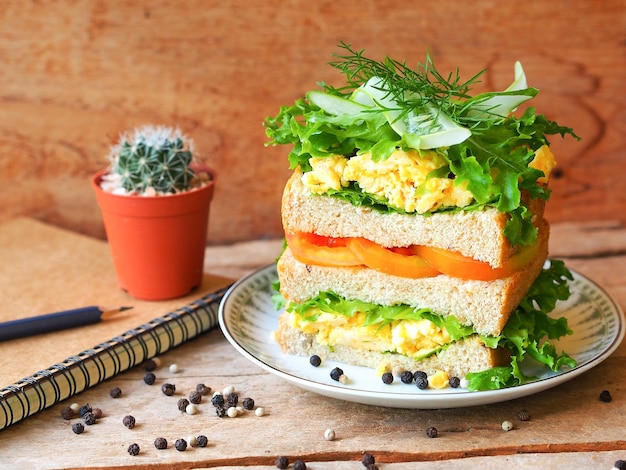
(504, 103)
(333, 104)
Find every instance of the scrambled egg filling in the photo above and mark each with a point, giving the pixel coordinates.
(405, 179)
(413, 338)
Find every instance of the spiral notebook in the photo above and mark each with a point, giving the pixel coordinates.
(47, 269)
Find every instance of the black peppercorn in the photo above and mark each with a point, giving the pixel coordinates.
(431, 432)
(454, 382)
(168, 389)
(217, 400)
(315, 360)
(150, 365)
(115, 392)
(387, 378)
(523, 415)
(620, 464)
(202, 440)
(421, 382)
(605, 396)
(182, 404)
(195, 397)
(160, 443)
(220, 411)
(372, 467)
(133, 449)
(89, 418)
(406, 377)
(232, 399)
(149, 378)
(368, 459)
(336, 373)
(78, 428)
(86, 408)
(67, 413)
(203, 389)
(247, 403)
(299, 465)
(282, 462)
(97, 412)
(180, 444)
(129, 421)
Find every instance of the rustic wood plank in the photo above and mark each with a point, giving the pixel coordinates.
(75, 73)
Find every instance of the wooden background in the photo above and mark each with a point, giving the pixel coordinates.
(75, 73)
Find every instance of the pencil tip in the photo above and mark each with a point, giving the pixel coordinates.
(124, 308)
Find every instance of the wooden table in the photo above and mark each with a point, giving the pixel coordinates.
(569, 426)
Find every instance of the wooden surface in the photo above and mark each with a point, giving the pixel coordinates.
(78, 72)
(569, 426)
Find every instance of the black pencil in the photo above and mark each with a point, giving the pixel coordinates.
(31, 326)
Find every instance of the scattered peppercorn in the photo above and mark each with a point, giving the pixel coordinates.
(89, 418)
(387, 378)
(227, 390)
(150, 365)
(507, 425)
(203, 389)
(202, 440)
(343, 379)
(329, 435)
(97, 412)
(454, 382)
(260, 411)
(78, 428)
(421, 382)
(75, 407)
(336, 373)
(620, 464)
(220, 411)
(282, 462)
(133, 449)
(160, 443)
(605, 396)
(67, 413)
(523, 415)
(115, 392)
(195, 397)
(406, 377)
(232, 412)
(299, 465)
(168, 389)
(247, 403)
(182, 404)
(372, 467)
(232, 399)
(86, 408)
(181, 445)
(129, 421)
(191, 409)
(431, 432)
(368, 459)
(217, 400)
(174, 369)
(315, 360)
(149, 378)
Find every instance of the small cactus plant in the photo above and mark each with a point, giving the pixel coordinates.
(153, 159)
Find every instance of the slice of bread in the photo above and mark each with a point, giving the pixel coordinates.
(477, 234)
(458, 359)
(486, 305)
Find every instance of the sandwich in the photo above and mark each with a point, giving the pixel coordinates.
(414, 225)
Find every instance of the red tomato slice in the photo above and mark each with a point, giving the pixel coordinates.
(388, 261)
(456, 265)
(320, 254)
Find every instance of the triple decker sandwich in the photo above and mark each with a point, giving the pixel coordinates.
(414, 225)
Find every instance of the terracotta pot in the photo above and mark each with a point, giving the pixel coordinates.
(158, 242)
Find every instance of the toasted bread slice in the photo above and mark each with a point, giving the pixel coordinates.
(486, 305)
(477, 234)
(458, 359)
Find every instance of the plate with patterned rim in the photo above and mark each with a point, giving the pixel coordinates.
(247, 318)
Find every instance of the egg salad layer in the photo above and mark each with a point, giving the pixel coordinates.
(413, 181)
(413, 338)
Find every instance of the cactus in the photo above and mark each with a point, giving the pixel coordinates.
(155, 157)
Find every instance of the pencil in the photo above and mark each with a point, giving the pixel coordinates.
(56, 321)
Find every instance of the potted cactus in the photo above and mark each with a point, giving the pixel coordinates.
(155, 201)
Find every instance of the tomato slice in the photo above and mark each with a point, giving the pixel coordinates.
(457, 265)
(321, 253)
(321, 240)
(389, 261)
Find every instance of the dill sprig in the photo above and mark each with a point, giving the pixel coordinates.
(411, 88)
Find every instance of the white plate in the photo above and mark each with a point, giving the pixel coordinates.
(247, 318)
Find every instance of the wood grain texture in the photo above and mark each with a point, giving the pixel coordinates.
(78, 72)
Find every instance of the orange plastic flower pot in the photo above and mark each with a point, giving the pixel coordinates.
(157, 242)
